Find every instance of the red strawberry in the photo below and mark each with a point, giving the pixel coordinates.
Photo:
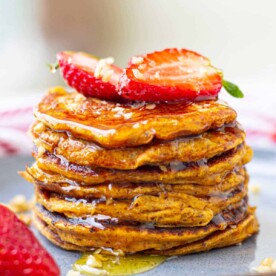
(89, 75)
(20, 252)
(169, 75)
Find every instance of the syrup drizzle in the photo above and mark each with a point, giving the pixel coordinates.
(117, 265)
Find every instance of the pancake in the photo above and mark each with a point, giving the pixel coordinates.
(164, 178)
(63, 186)
(204, 172)
(189, 149)
(230, 236)
(113, 125)
(167, 209)
(97, 232)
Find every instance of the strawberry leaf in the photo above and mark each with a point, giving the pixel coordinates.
(53, 67)
(232, 89)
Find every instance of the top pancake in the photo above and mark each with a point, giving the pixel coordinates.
(122, 125)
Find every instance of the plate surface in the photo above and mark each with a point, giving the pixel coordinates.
(234, 260)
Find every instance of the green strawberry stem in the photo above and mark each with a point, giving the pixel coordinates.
(53, 67)
(232, 89)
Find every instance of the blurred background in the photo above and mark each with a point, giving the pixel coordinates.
(238, 36)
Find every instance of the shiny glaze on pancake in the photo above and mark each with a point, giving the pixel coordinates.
(184, 149)
(122, 125)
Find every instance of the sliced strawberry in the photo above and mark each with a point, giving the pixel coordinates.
(90, 76)
(169, 75)
(20, 251)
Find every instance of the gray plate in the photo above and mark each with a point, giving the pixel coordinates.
(235, 260)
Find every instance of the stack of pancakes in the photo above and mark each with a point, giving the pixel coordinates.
(165, 178)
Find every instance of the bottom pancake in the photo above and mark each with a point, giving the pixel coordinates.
(230, 236)
(227, 228)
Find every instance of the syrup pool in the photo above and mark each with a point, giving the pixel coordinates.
(116, 265)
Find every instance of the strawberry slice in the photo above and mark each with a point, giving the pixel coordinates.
(90, 76)
(169, 75)
(20, 252)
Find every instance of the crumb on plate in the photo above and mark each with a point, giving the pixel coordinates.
(255, 189)
(22, 207)
(268, 265)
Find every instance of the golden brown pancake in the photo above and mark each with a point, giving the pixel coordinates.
(189, 149)
(204, 172)
(58, 184)
(221, 238)
(230, 236)
(123, 125)
(95, 232)
(166, 209)
(165, 178)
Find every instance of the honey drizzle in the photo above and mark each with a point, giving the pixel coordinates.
(118, 265)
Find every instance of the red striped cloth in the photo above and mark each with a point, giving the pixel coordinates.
(15, 119)
(256, 114)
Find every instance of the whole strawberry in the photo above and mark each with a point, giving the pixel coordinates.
(20, 251)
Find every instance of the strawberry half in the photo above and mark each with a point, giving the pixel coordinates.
(169, 75)
(20, 252)
(90, 76)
